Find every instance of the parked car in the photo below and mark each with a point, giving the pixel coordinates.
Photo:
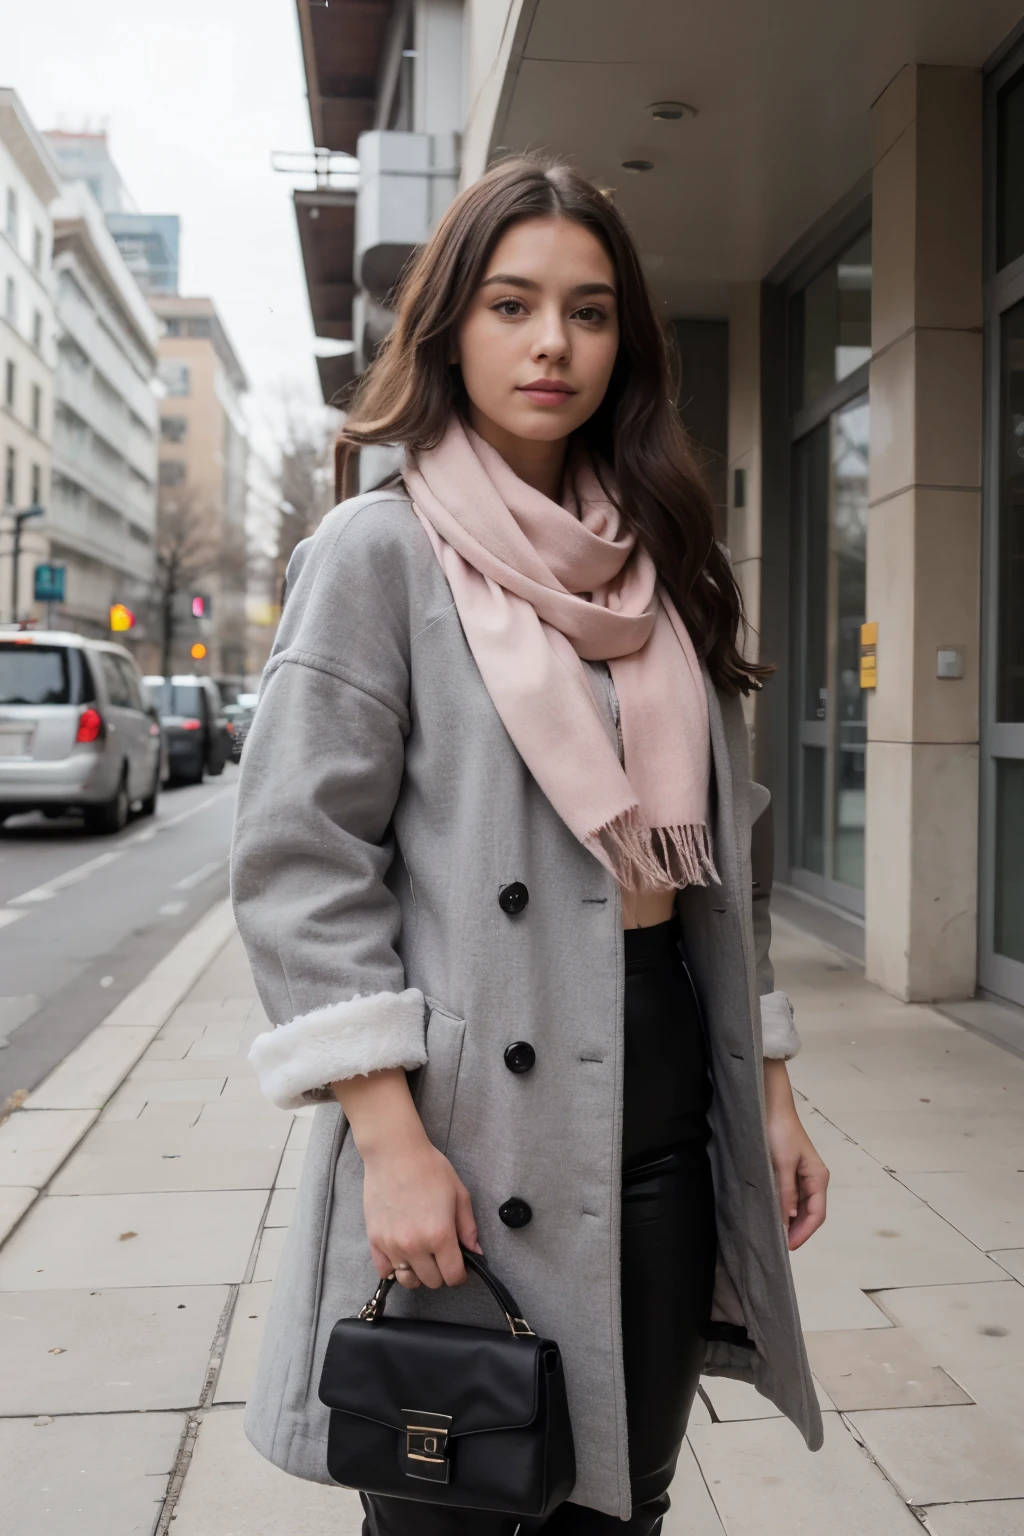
(77, 732)
(199, 733)
(241, 715)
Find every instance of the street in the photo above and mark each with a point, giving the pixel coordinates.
(84, 918)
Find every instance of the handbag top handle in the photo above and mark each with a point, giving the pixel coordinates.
(521, 1329)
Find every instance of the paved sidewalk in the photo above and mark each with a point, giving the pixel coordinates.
(132, 1293)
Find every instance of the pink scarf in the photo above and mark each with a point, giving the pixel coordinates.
(537, 586)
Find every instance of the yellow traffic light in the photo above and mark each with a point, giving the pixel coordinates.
(198, 651)
(121, 618)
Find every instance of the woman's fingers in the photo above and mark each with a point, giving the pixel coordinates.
(465, 1222)
(789, 1194)
(812, 1208)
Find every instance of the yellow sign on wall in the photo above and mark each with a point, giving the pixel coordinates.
(121, 618)
(869, 655)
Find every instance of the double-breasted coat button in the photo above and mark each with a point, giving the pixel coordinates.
(515, 1212)
(520, 1056)
(513, 898)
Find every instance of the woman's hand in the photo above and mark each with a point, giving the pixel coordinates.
(800, 1173)
(417, 1208)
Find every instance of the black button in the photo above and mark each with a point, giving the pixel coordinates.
(515, 1212)
(513, 898)
(520, 1057)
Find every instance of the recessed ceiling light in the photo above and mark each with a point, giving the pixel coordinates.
(670, 111)
(636, 166)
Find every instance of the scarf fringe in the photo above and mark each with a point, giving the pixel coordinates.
(658, 858)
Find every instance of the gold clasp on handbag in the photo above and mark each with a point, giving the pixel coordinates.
(426, 1444)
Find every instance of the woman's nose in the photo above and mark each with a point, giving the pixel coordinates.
(552, 340)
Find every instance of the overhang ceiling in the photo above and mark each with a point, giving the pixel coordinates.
(342, 47)
(326, 220)
(783, 94)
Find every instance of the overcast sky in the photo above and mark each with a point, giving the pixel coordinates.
(195, 97)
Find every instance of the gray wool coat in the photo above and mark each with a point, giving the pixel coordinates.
(382, 811)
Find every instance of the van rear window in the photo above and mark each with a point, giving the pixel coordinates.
(43, 674)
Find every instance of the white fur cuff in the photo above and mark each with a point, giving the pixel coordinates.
(295, 1062)
(779, 1038)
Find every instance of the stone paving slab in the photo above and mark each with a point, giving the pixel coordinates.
(34, 1143)
(248, 1321)
(152, 1154)
(987, 1206)
(946, 1455)
(764, 1482)
(230, 1490)
(1005, 1518)
(69, 1242)
(14, 1202)
(880, 1368)
(106, 1351)
(105, 1474)
(692, 1512)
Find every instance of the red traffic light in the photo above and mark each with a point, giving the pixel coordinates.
(198, 606)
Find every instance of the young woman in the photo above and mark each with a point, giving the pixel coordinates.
(497, 788)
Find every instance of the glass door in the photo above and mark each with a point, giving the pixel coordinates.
(831, 485)
(1001, 889)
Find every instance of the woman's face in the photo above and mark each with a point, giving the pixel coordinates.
(539, 340)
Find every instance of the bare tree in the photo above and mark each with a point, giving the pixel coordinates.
(187, 549)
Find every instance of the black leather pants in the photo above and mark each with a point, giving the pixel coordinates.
(668, 1255)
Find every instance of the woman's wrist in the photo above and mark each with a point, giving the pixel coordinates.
(778, 1090)
(381, 1114)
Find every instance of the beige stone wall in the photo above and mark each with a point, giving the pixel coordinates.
(924, 533)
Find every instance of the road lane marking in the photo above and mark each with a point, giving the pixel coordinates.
(199, 875)
(7, 917)
(171, 908)
(50, 888)
(151, 831)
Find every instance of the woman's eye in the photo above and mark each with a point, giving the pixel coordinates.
(510, 307)
(589, 312)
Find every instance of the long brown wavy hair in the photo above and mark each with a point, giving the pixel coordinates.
(409, 392)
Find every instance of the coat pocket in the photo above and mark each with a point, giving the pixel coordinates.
(433, 1085)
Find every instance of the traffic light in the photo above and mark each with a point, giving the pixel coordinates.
(121, 618)
(198, 651)
(200, 605)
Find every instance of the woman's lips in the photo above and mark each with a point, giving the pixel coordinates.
(543, 393)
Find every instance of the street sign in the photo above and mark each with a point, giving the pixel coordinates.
(48, 584)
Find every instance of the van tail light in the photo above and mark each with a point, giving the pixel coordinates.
(229, 726)
(90, 725)
(191, 725)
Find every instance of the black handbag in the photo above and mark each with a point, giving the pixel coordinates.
(474, 1418)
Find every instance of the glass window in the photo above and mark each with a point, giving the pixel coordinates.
(1009, 861)
(174, 429)
(37, 485)
(12, 216)
(832, 323)
(37, 407)
(130, 683)
(1010, 171)
(181, 699)
(37, 249)
(831, 483)
(10, 375)
(172, 472)
(1010, 644)
(176, 378)
(10, 477)
(117, 693)
(11, 301)
(43, 674)
(37, 330)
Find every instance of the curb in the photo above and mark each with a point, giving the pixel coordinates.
(41, 1134)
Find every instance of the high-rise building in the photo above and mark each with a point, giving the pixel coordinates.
(148, 242)
(203, 479)
(29, 181)
(102, 518)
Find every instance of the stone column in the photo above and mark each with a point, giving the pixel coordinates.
(924, 533)
(744, 457)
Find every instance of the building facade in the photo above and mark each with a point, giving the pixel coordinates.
(102, 519)
(203, 469)
(835, 233)
(29, 181)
